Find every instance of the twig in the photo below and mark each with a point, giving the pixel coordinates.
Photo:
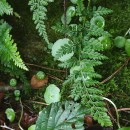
(124, 109)
(125, 120)
(64, 13)
(5, 88)
(112, 75)
(45, 67)
(6, 127)
(109, 112)
(41, 103)
(127, 32)
(20, 116)
(54, 77)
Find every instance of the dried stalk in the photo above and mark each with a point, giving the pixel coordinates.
(6, 127)
(45, 67)
(5, 88)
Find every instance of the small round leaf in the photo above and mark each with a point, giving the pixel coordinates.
(74, 1)
(10, 114)
(17, 93)
(52, 94)
(98, 21)
(119, 41)
(40, 75)
(70, 11)
(13, 82)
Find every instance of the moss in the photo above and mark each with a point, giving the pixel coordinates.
(118, 22)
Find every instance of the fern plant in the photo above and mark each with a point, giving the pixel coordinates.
(80, 51)
(84, 43)
(38, 7)
(10, 59)
(8, 49)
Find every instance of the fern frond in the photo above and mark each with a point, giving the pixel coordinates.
(92, 99)
(87, 54)
(93, 43)
(65, 49)
(5, 8)
(87, 62)
(93, 55)
(80, 7)
(60, 28)
(8, 49)
(38, 7)
(96, 31)
(101, 11)
(69, 63)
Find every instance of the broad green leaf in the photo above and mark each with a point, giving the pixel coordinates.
(61, 116)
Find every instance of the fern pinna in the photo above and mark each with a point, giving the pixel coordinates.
(8, 49)
(5, 8)
(81, 52)
(39, 16)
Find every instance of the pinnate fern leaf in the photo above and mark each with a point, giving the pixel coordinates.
(92, 99)
(38, 7)
(5, 8)
(61, 116)
(8, 49)
(101, 11)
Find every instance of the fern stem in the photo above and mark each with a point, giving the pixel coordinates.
(20, 116)
(65, 13)
(89, 1)
(117, 114)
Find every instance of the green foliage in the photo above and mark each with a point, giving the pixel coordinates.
(116, 89)
(11, 70)
(38, 7)
(32, 127)
(10, 59)
(10, 113)
(40, 75)
(124, 128)
(17, 93)
(52, 94)
(8, 49)
(101, 11)
(5, 8)
(87, 55)
(13, 82)
(62, 116)
(62, 50)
